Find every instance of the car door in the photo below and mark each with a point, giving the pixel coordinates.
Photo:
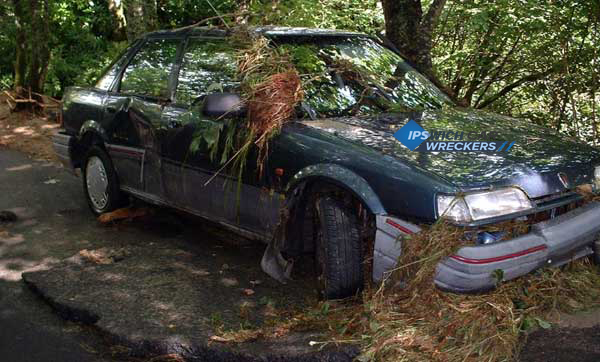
(133, 112)
(85, 105)
(208, 66)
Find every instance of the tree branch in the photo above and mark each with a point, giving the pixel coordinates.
(515, 84)
(433, 14)
(498, 69)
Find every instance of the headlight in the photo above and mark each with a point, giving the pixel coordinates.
(597, 178)
(482, 205)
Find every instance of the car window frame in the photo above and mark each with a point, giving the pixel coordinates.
(116, 86)
(187, 39)
(118, 62)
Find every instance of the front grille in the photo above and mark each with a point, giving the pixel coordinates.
(553, 205)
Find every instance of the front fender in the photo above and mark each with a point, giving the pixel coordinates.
(342, 176)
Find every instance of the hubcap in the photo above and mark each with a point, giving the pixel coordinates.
(96, 182)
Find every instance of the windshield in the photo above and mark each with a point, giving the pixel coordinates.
(356, 75)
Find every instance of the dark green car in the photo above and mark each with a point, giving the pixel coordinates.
(351, 191)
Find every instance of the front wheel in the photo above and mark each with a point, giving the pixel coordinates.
(339, 252)
(100, 183)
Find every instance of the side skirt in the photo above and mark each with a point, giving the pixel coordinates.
(161, 202)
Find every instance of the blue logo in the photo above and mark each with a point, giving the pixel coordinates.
(411, 135)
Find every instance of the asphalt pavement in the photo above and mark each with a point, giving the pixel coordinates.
(45, 198)
(54, 223)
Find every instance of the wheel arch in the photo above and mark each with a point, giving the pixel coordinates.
(307, 181)
(91, 133)
(340, 176)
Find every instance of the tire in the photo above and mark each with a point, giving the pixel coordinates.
(100, 182)
(596, 254)
(338, 249)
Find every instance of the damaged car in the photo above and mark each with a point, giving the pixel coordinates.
(336, 183)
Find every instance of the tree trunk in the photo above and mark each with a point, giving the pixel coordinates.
(411, 32)
(116, 9)
(141, 17)
(150, 15)
(21, 49)
(39, 49)
(402, 27)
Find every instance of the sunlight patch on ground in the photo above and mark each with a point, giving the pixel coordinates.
(8, 239)
(12, 268)
(24, 167)
(25, 130)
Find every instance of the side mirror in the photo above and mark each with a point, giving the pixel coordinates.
(221, 105)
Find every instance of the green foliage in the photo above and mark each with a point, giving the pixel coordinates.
(533, 59)
(7, 44)
(358, 15)
(84, 47)
(177, 13)
(483, 48)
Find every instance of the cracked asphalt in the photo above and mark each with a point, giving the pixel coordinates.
(30, 330)
(55, 223)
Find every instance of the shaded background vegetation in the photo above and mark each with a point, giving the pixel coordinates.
(527, 58)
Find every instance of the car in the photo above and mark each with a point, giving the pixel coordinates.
(336, 183)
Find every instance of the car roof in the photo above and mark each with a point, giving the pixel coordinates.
(264, 30)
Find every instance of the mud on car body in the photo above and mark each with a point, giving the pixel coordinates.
(348, 188)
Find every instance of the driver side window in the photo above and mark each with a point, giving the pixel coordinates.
(148, 72)
(208, 66)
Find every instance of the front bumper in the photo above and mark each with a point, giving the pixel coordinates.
(63, 146)
(550, 243)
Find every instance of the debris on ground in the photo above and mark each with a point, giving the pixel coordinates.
(29, 132)
(102, 256)
(255, 282)
(220, 339)
(172, 357)
(124, 213)
(421, 322)
(7, 216)
(32, 101)
(51, 181)
(229, 282)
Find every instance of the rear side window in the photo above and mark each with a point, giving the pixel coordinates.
(148, 72)
(208, 66)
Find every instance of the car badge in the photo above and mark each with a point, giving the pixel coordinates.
(564, 179)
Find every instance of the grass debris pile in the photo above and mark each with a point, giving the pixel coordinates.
(421, 323)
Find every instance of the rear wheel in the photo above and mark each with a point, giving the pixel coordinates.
(100, 183)
(338, 249)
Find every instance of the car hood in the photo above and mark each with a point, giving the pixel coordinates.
(533, 163)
